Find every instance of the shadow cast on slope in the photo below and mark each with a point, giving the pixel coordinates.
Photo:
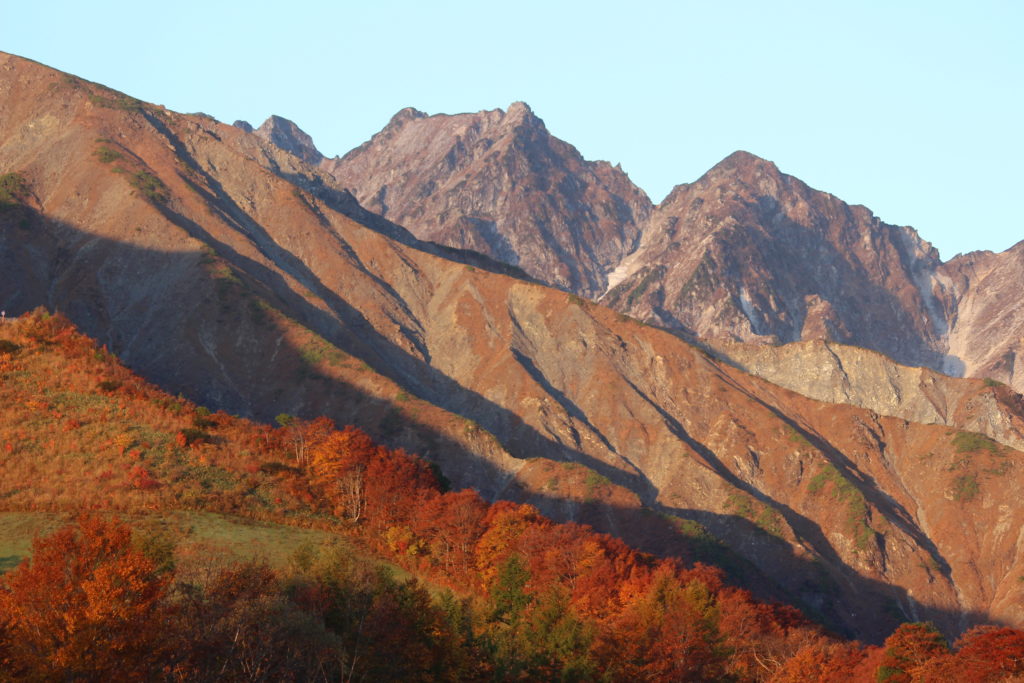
(191, 333)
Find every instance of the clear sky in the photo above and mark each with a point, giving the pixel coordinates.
(914, 109)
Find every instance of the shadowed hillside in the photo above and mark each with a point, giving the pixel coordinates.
(223, 268)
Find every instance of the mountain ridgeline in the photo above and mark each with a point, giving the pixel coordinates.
(745, 253)
(239, 267)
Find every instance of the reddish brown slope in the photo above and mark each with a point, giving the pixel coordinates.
(744, 253)
(213, 277)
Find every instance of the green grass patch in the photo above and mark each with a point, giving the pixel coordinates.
(17, 529)
(593, 482)
(228, 538)
(966, 488)
(151, 187)
(856, 506)
(319, 350)
(763, 516)
(116, 100)
(972, 442)
(107, 155)
(796, 436)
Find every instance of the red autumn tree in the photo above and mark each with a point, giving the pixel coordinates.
(985, 653)
(86, 605)
(669, 633)
(908, 648)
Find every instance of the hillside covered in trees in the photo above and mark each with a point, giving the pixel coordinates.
(407, 580)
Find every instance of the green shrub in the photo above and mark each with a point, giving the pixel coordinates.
(107, 154)
(149, 185)
(972, 442)
(650, 277)
(13, 190)
(193, 435)
(202, 420)
(844, 491)
(966, 488)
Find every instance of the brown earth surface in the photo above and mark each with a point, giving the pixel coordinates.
(224, 268)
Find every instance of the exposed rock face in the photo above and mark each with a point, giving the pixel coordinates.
(745, 253)
(229, 270)
(837, 373)
(752, 254)
(287, 136)
(987, 332)
(497, 182)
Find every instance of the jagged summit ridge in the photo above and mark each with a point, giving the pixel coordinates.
(289, 137)
(497, 182)
(224, 268)
(745, 252)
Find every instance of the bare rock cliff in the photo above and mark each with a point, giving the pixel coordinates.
(836, 373)
(498, 182)
(751, 254)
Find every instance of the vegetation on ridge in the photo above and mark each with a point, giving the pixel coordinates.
(515, 595)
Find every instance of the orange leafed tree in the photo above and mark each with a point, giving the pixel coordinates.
(87, 604)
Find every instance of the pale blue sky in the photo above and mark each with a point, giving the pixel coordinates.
(914, 109)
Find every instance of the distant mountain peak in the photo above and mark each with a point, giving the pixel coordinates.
(742, 161)
(519, 108)
(497, 181)
(244, 125)
(407, 114)
(520, 114)
(283, 133)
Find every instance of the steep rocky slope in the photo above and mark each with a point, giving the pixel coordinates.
(498, 182)
(750, 253)
(285, 135)
(837, 373)
(226, 269)
(744, 253)
(987, 331)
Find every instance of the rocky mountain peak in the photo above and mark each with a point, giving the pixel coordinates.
(243, 125)
(285, 134)
(741, 160)
(498, 182)
(403, 116)
(520, 112)
(745, 170)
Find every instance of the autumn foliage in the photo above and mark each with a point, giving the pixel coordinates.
(513, 595)
(85, 604)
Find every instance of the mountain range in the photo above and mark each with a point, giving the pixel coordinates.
(745, 253)
(470, 288)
